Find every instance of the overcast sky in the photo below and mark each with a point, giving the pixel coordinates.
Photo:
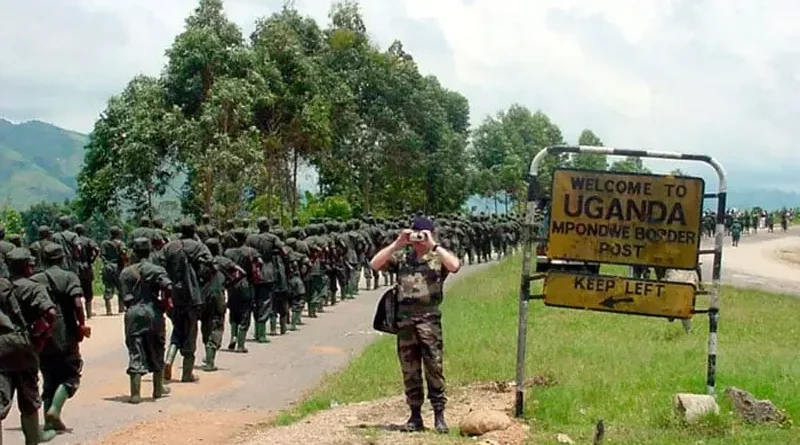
(710, 76)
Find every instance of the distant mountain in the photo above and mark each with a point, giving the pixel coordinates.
(38, 161)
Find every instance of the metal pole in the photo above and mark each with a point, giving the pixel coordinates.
(529, 246)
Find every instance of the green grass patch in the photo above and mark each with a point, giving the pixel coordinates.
(623, 369)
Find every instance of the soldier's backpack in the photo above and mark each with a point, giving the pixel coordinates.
(17, 352)
(385, 319)
(71, 244)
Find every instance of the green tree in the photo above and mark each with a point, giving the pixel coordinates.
(630, 164)
(589, 161)
(11, 220)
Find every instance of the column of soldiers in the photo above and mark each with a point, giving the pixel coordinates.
(738, 222)
(270, 277)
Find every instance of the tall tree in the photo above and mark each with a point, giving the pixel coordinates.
(589, 161)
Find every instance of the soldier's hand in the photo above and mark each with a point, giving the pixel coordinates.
(84, 332)
(402, 239)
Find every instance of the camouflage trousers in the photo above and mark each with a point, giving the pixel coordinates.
(420, 347)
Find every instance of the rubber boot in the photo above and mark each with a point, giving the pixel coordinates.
(172, 351)
(273, 325)
(234, 334)
(299, 320)
(52, 415)
(415, 422)
(312, 310)
(241, 337)
(375, 283)
(438, 421)
(33, 432)
(121, 307)
(293, 322)
(188, 366)
(136, 389)
(283, 319)
(261, 333)
(108, 307)
(87, 309)
(159, 389)
(209, 364)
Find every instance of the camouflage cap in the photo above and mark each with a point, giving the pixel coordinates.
(53, 252)
(140, 244)
(20, 256)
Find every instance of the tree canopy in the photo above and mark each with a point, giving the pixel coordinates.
(239, 116)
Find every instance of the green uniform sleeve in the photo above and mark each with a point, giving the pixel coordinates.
(35, 296)
(73, 288)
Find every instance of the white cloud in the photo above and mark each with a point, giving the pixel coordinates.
(685, 75)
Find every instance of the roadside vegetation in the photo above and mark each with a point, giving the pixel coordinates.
(623, 369)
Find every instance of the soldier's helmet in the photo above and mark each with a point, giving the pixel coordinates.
(65, 222)
(20, 257)
(15, 239)
(53, 252)
(44, 232)
(205, 218)
(262, 223)
(229, 224)
(187, 227)
(144, 221)
(244, 222)
(80, 229)
(158, 223)
(141, 244)
(115, 231)
(292, 242)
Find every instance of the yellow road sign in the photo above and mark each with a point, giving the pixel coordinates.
(619, 294)
(647, 220)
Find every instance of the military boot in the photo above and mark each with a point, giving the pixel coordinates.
(172, 351)
(261, 333)
(188, 366)
(312, 310)
(299, 321)
(52, 415)
(295, 320)
(209, 364)
(33, 432)
(234, 333)
(438, 421)
(159, 389)
(284, 318)
(241, 337)
(375, 283)
(108, 307)
(273, 324)
(136, 389)
(120, 306)
(415, 422)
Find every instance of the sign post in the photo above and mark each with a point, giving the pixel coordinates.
(618, 218)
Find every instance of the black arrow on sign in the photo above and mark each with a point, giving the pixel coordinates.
(610, 302)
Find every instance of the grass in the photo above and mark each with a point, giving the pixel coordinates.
(623, 369)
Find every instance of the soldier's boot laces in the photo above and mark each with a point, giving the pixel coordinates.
(108, 307)
(159, 389)
(283, 321)
(136, 389)
(241, 337)
(33, 432)
(209, 364)
(172, 351)
(52, 415)
(415, 422)
(234, 332)
(273, 325)
(188, 366)
(438, 421)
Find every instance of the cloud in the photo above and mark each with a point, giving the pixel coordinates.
(685, 75)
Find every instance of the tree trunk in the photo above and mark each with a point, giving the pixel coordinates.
(294, 185)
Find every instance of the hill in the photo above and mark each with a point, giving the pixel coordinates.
(38, 161)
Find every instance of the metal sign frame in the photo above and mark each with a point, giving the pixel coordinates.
(529, 242)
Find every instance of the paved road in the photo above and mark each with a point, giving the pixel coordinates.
(248, 387)
(244, 391)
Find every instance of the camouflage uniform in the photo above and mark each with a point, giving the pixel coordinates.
(145, 327)
(419, 340)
